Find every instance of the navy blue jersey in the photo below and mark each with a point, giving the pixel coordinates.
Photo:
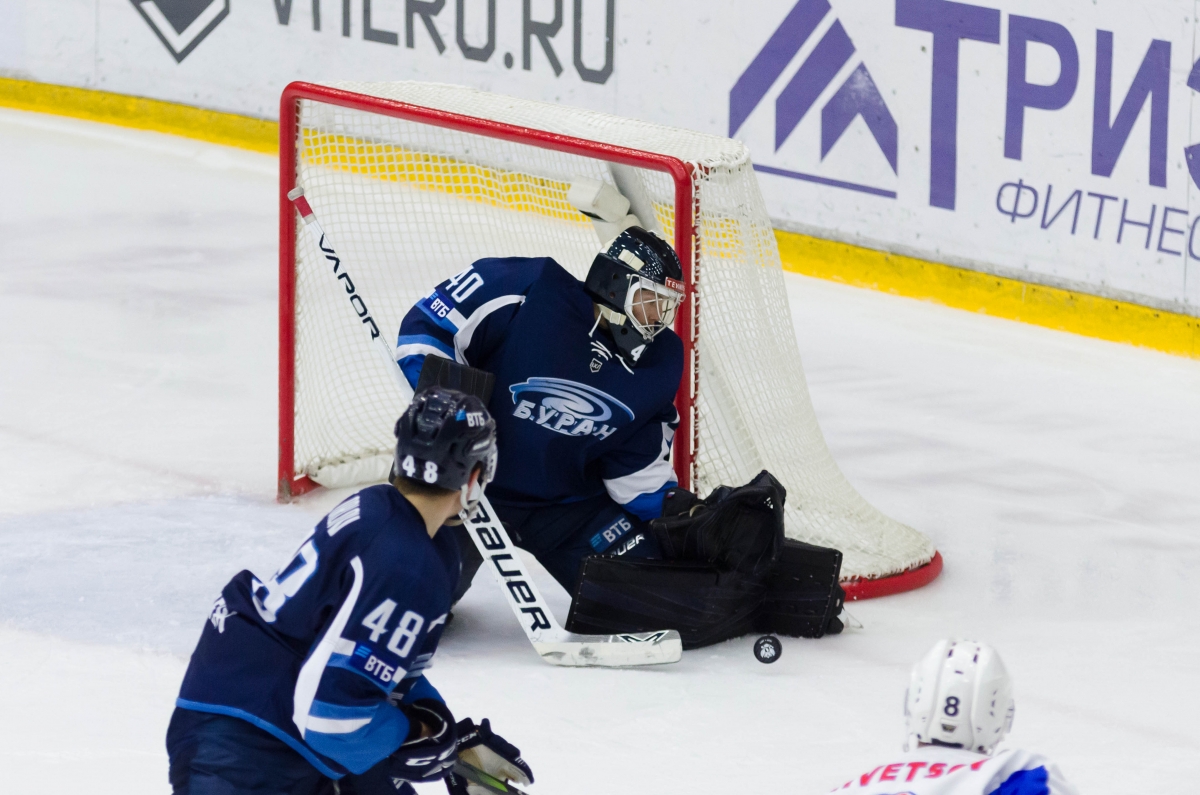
(313, 654)
(572, 421)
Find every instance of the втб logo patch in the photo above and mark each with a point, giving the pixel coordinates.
(182, 24)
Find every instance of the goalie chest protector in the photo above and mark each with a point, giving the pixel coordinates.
(568, 414)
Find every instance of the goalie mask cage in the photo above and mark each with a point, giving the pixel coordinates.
(413, 182)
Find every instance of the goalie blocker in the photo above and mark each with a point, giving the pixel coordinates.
(728, 571)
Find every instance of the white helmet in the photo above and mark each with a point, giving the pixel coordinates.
(959, 695)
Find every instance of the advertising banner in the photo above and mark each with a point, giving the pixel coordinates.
(1049, 141)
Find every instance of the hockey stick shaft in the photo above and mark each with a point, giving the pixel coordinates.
(488, 782)
(554, 644)
(353, 294)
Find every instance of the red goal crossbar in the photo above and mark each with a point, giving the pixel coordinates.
(289, 485)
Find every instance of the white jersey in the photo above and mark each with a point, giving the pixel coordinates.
(936, 770)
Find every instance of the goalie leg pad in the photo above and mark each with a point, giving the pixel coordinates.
(803, 598)
(706, 605)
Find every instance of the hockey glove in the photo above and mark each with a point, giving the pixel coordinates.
(429, 751)
(484, 750)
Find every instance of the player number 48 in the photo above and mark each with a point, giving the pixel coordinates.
(406, 631)
(429, 475)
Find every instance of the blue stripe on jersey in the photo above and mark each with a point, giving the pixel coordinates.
(425, 339)
(411, 367)
(274, 731)
(1025, 782)
(324, 709)
(649, 506)
(363, 748)
(422, 688)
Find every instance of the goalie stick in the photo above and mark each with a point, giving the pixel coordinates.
(553, 643)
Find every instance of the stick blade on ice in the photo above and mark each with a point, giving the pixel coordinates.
(626, 650)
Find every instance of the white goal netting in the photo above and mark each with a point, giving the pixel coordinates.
(407, 204)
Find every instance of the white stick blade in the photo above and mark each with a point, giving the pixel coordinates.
(626, 650)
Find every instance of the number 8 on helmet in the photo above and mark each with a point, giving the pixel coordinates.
(959, 696)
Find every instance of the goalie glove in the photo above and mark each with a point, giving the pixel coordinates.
(484, 750)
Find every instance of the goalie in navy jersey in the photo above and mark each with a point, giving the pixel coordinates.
(585, 380)
(312, 682)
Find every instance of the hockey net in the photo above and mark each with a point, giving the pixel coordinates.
(413, 182)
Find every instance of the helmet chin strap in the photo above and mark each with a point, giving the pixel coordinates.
(613, 317)
(629, 343)
(596, 325)
(469, 498)
(626, 350)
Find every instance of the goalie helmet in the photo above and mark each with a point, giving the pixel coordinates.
(637, 281)
(441, 438)
(960, 696)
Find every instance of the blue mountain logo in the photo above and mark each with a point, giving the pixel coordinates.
(857, 96)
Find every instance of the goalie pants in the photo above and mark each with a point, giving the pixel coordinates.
(221, 755)
(561, 536)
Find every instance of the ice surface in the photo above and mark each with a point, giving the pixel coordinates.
(1059, 476)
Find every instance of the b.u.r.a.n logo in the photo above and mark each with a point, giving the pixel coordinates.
(568, 407)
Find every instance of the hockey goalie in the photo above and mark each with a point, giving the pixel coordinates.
(585, 376)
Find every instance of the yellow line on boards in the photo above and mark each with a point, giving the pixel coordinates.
(244, 132)
(1051, 307)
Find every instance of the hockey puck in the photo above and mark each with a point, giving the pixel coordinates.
(767, 649)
